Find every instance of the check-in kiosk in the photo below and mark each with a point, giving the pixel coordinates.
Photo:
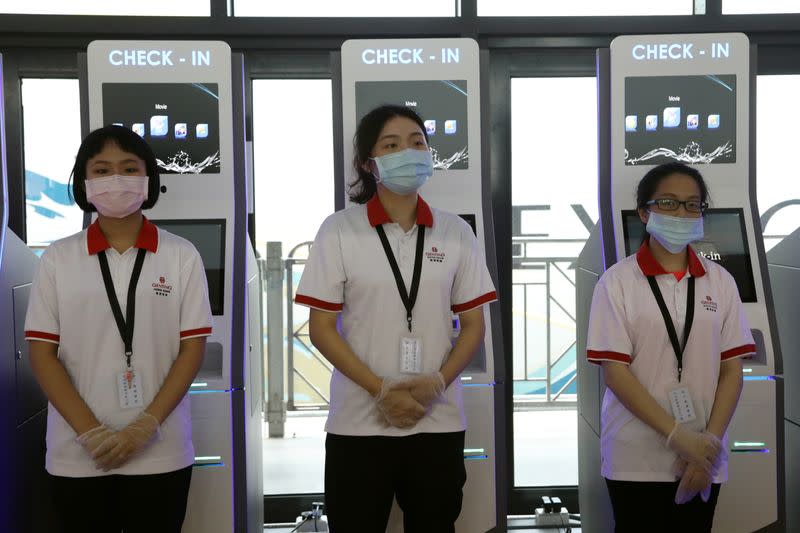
(186, 99)
(688, 98)
(440, 79)
(24, 413)
(784, 274)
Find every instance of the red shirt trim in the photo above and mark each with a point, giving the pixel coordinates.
(598, 357)
(651, 267)
(42, 335)
(147, 238)
(477, 302)
(317, 304)
(377, 214)
(747, 349)
(195, 332)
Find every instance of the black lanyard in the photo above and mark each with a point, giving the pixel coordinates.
(408, 300)
(125, 325)
(687, 328)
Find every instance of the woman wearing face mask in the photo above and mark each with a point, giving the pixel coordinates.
(394, 270)
(669, 329)
(117, 322)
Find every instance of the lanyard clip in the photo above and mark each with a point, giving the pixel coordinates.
(408, 318)
(128, 356)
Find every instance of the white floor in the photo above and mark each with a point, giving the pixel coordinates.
(545, 442)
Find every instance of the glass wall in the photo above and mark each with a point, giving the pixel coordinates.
(554, 207)
(294, 192)
(778, 182)
(344, 8)
(741, 7)
(583, 8)
(52, 135)
(151, 8)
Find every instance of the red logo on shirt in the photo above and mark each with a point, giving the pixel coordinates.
(161, 288)
(435, 256)
(709, 304)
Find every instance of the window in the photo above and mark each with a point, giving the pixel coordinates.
(294, 193)
(554, 207)
(52, 135)
(344, 8)
(152, 8)
(583, 8)
(778, 186)
(742, 7)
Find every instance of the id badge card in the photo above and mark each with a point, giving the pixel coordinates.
(410, 355)
(129, 387)
(680, 399)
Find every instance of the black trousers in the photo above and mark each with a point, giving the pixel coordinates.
(650, 506)
(153, 503)
(425, 472)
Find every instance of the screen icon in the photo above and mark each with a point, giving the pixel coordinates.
(631, 121)
(692, 122)
(430, 127)
(450, 127)
(651, 122)
(159, 124)
(180, 130)
(201, 131)
(713, 121)
(672, 117)
(138, 129)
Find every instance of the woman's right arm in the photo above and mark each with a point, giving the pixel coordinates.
(58, 387)
(632, 394)
(325, 337)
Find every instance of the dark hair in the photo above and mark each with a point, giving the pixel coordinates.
(364, 187)
(128, 141)
(649, 183)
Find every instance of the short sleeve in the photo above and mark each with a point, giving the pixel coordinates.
(322, 283)
(737, 338)
(472, 285)
(42, 321)
(195, 308)
(608, 338)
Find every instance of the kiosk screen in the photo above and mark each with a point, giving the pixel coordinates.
(725, 243)
(180, 122)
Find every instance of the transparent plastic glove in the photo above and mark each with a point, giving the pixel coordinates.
(700, 449)
(693, 481)
(721, 458)
(94, 438)
(426, 388)
(122, 445)
(397, 406)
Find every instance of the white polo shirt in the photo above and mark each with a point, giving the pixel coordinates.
(347, 272)
(69, 307)
(626, 326)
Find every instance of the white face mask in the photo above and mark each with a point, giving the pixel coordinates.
(675, 233)
(117, 196)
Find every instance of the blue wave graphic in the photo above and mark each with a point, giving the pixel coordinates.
(37, 185)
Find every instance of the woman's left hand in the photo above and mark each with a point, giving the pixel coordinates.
(123, 445)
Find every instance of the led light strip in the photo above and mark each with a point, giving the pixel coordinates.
(208, 460)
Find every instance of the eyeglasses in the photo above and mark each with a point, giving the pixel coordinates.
(669, 204)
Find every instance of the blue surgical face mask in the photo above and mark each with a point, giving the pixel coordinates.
(675, 233)
(405, 171)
